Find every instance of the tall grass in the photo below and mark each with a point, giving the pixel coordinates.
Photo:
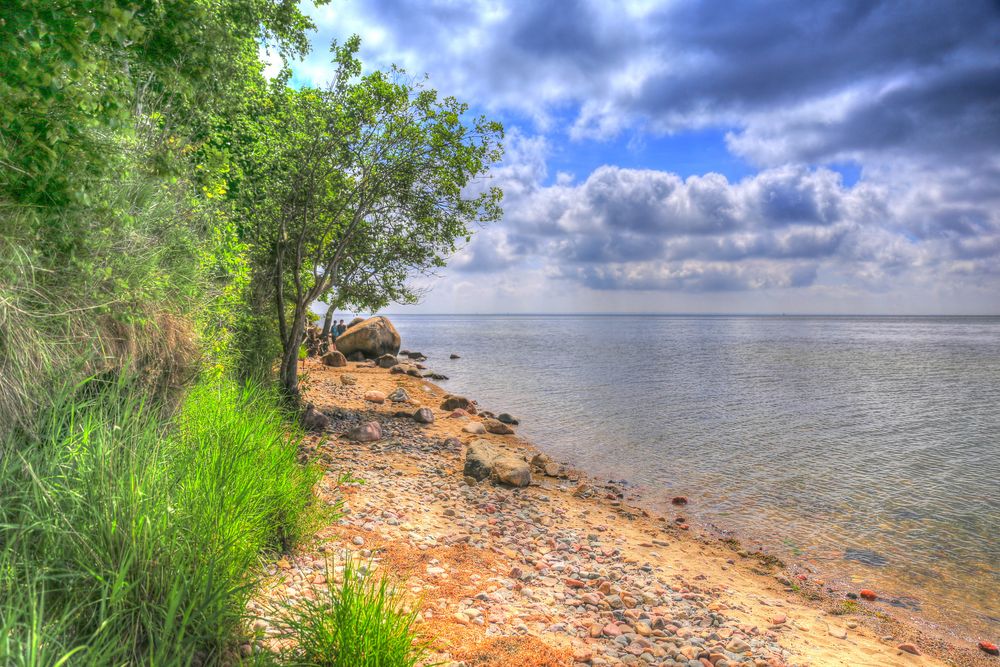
(130, 538)
(361, 622)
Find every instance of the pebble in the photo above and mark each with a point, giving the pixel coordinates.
(989, 647)
(907, 647)
(375, 396)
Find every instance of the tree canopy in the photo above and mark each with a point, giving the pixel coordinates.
(356, 187)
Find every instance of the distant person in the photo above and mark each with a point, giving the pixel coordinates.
(341, 328)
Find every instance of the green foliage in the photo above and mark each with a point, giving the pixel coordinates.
(77, 73)
(351, 190)
(361, 622)
(129, 539)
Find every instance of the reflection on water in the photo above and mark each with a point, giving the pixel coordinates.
(867, 444)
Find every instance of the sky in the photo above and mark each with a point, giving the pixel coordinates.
(724, 157)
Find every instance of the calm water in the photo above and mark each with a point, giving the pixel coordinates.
(867, 446)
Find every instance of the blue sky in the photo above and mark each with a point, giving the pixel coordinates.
(838, 157)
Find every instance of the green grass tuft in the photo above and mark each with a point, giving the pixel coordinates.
(362, 622)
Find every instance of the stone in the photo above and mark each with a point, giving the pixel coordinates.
(367, 432)
(356, 356)
(454, 356)
(475, 428)
(483, 461)
(314, 420)
(989, 647)
(552, 469)
(451, 402)
(374, 396)
(679, 500)
(506, 418)
(334, 358)
(348, 379)
(373, 338)
(399, 396)
(458, 414)
(780, 619)
(387, 361)
(868, 594)
(512, 471)
(423, 416)
(479, 460)
(497, 427)
(907, 647)
(540, 460)
(838, 633)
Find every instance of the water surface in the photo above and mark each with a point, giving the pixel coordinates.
(866, 445)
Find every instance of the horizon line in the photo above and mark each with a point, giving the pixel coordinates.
(684, 314)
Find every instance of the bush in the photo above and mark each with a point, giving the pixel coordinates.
(361, 622)
(128, 538)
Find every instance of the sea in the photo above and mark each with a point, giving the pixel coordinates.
(864, 448)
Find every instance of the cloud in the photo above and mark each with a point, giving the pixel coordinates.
(905, 92)
(784, 228)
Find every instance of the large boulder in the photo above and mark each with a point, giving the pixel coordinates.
(373, 338)
(483, 461)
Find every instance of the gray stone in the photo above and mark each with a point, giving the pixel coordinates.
(399, 396)
(423, 416)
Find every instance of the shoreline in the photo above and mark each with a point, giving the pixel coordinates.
(747, 587)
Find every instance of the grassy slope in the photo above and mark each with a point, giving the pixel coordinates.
(126, 537)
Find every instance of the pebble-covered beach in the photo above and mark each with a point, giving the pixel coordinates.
(561, 571)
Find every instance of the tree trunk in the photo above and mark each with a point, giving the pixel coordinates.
(289, 373)
(327, 322)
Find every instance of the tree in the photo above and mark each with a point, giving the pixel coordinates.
(357, 187)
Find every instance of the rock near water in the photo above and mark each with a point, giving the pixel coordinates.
(455, 402)
(373, 338)
(483, 461)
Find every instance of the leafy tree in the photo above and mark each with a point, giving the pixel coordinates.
(357, 187)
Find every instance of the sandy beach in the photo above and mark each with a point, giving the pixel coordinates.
(560, 572)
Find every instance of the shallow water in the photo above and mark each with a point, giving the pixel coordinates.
(868, 446)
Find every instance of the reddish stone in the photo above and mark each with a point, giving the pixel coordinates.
(779, 619)
(683, 526)
(574, 583)
(868, 594)
(456, 414)
(989, 647)
(680, 500)
(612, 630)
(909, 648)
